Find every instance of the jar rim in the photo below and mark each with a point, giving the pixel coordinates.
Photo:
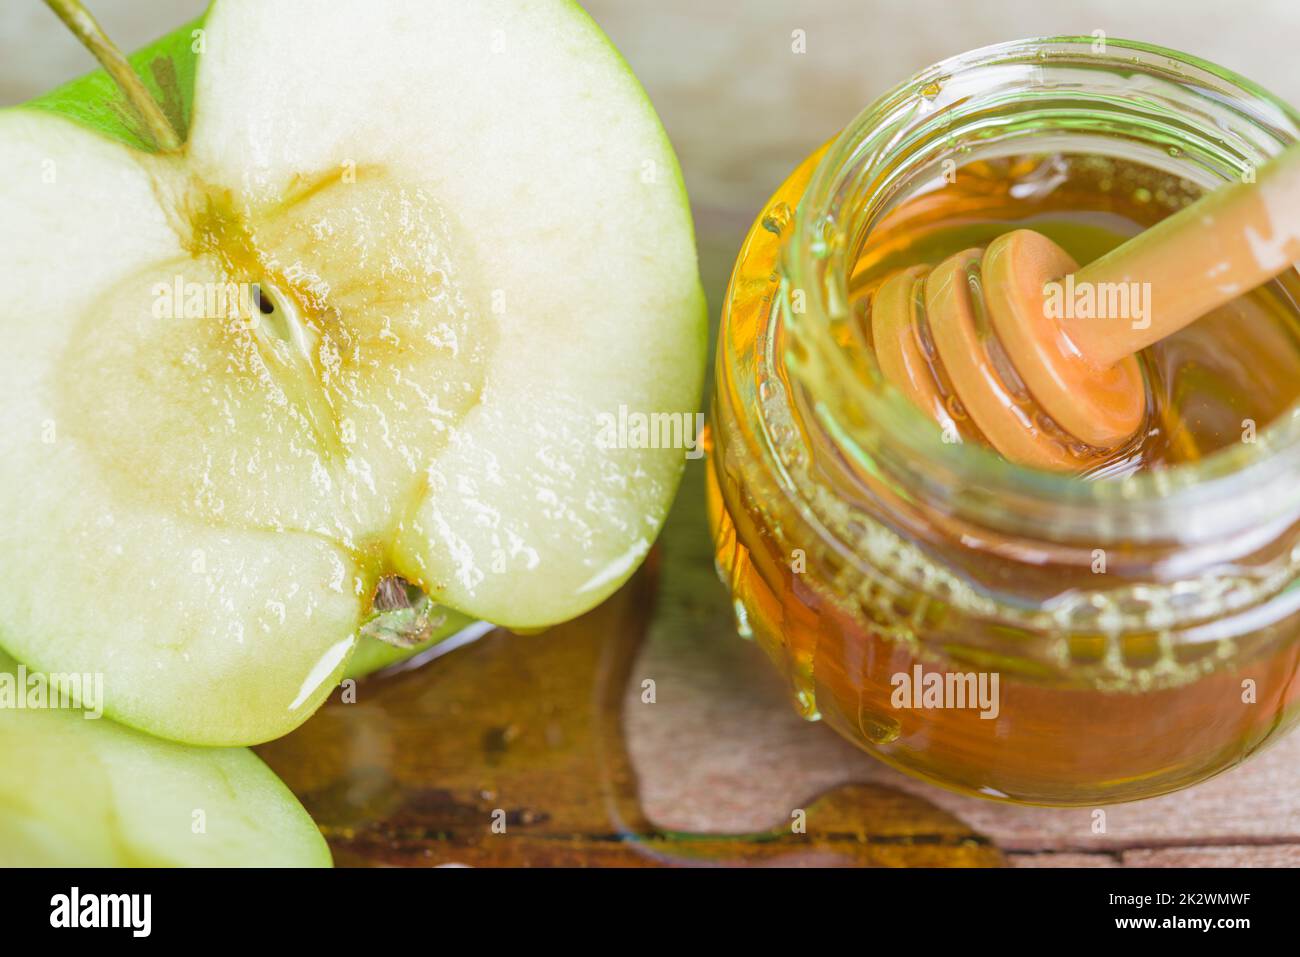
(1246, 485)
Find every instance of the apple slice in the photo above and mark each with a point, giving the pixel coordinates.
(84, 792)
(469, 241)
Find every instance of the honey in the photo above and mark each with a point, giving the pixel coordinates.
(1209, 386)
(1024, 636)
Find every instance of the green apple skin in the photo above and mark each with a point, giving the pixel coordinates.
(166, 67)
(249, 652)
(374, 655)
(81, 792)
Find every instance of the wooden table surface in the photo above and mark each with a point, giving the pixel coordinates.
(720, 751)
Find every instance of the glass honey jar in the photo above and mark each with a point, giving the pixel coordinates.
(1023, 635)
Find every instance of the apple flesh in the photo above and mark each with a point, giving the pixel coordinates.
(470, 241)
(85, 792)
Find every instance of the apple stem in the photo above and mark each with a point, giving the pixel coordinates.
(157, 128)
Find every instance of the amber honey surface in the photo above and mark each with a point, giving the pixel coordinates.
(1212, 384)
(1081, 716)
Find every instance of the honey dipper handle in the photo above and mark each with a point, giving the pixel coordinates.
(1223, 245)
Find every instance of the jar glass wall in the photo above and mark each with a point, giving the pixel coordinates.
(1004, 631)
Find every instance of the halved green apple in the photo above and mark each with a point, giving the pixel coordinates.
(85, 792)
(469, 241)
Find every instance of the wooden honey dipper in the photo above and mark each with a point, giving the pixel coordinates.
(1056, 393)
